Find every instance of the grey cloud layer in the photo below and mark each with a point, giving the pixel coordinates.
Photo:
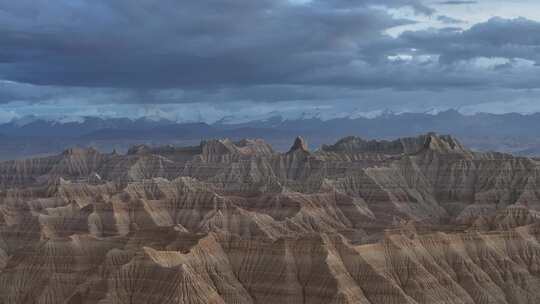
(264, 50)
(181, 43)
(511, 39)
(457, 2)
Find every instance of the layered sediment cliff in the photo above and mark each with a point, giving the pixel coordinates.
(415, 220)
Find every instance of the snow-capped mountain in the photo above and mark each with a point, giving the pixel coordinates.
(31, 135)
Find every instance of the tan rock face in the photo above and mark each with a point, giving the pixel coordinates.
(415, 220)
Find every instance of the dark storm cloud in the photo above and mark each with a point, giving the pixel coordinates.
(503, 38)
(217, 51)
(416, 5)
(182, 43)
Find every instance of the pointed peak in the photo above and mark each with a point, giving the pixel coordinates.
(299, 144)
(443, 143)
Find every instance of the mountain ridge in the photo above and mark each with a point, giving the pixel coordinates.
(510, 133)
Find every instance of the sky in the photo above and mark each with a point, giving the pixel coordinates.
(242, 59)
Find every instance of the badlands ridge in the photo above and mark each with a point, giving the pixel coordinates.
(415, 220)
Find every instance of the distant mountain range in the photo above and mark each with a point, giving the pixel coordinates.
(32, 136)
